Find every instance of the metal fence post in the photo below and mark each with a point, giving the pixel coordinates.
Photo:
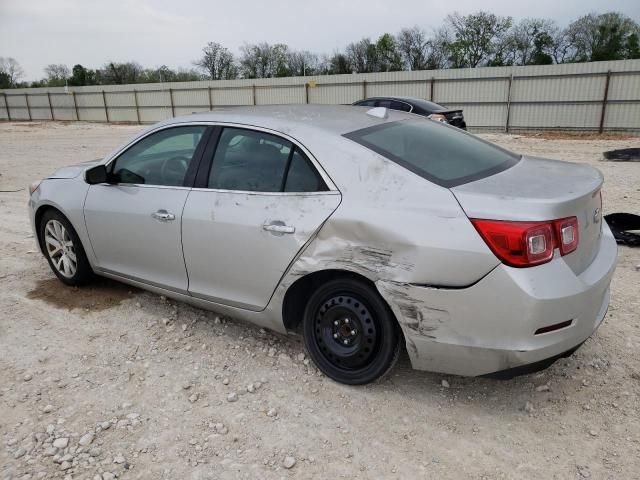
(173, 109)
(6, 106)
(209, 97)
(75, 106)
(135, 101)
(104, 103)
(506, 122)
(26, 100)
(306, 92)
(253, 93)
(364, 89)
(50, 106)
(605, 98)
(432, 83)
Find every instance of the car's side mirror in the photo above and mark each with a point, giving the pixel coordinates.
(97, 174)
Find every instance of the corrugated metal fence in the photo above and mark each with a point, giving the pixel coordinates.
(598, 96)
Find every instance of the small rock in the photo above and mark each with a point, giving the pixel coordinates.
(61, 443)
(593, 433)
(542, 388)
(194, 398)
(300, 357)
(105, 425)
(108, 476)
(27, 377)
(86, 439)
(186, 386)
(184, 327)
(528, 407)
(288, 462)
(65, 465)
(47, 409)
(251, 388)
(225, 381)
(232, 397)
(19, 453)
(445, 384)
(119, 459)
(272, 412)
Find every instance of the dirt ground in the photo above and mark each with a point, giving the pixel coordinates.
(110, 382)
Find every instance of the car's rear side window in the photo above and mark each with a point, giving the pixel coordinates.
(442, 154)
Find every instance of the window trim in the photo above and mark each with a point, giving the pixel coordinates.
(204, 170)
(193, 166)
(356, 136)
(377, 99)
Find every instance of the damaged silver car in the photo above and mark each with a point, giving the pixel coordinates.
(365, 230)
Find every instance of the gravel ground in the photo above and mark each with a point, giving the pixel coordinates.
(110, 382)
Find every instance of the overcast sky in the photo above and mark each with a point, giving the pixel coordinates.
(172, 32)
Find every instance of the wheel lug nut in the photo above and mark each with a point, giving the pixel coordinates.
(346, 320)
(345, 342)
(353, 332)
(335, 335)
(335, 322)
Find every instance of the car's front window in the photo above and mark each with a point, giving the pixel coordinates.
(161, 158)
(442, 154)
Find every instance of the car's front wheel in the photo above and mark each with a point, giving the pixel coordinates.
(350, 333)
(63, 249)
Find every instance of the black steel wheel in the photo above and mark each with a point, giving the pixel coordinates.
(350, 333)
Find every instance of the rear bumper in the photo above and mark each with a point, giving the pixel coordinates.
(490, 327)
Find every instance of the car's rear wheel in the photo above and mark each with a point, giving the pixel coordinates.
(63, 249)
(350, 333)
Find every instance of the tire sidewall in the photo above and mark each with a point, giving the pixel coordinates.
(83, 269)
(389, 345)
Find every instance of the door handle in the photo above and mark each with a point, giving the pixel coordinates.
(278, 227)
(163, 216)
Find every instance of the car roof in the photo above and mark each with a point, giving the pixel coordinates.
(426, 104)
(336, 119)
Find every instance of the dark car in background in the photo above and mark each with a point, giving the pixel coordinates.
(419, 107)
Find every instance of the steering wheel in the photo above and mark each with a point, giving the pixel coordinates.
(174, 169)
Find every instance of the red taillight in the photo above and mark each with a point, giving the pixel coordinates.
(567, 234)
(525, 244)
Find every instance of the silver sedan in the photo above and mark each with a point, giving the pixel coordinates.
(365, 229)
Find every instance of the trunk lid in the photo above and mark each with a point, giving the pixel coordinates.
(537, 189)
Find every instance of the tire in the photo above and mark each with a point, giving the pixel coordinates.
(350, 333)
(63, 249)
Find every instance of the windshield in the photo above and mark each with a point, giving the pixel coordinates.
(442, 154)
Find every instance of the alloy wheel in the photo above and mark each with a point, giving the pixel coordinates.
(60, 248)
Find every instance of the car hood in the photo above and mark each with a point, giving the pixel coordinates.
(72, 171)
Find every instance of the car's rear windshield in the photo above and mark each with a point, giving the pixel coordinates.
(442, 154)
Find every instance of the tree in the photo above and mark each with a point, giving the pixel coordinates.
(264, 60)
(413, 47)
(602, 37)
(301, 63)
(527, 43)
(474, 37)
(11, 70)
(119, 73)
(338, 64)
(363, 56)
(56, 73)
(389, 57)
(218, 62)
(82, 76)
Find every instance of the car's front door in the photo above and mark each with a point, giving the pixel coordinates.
(260, 201)
(134, 221)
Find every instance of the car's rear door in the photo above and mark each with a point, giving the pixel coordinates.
(134, 221)
(257, 201)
